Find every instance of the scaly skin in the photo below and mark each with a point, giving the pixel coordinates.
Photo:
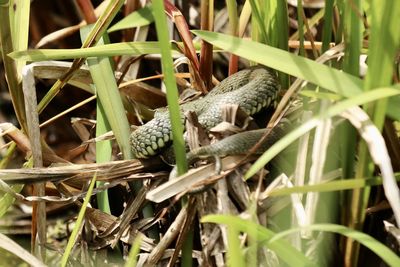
(239, 144)
(252, 89)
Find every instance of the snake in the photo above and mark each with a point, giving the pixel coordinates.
(252, 89)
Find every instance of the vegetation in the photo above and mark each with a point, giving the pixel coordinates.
(324, 194)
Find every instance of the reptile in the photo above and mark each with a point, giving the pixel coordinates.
(251, 89)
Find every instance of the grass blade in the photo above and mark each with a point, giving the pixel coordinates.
(287, 253)
(133, 253)
(79, 221)
(108, 94)
(170, 83)
(142, 17)
(331, 79)
(385, 253)
(313, 122)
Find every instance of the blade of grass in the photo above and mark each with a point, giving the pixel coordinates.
(313, 122)
(6, 200)
(108, 94)
(234, 250)
(385, 253)
(94, 36)
(282, 35)
(103, 148)
(286, 252)
(20, 27)
(347, 184)
(170, 83)
(108, 50)
(10, 67)
(312, 22)
(103, 153)
(353, 44)
(319, 74)
(10, 245)
(173, 106)
(133, 253)
(258, 26)
(331, 79)
(78, 224)
(384, 43)
(339, 12)
(300, 24)
(327, 28)
(139, 18)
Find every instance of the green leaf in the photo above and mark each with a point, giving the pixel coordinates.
(374, 245)
(347, 184)
(108, 94)
(131, 260)
(170, 83)
(141, 17)
(306, 69)
(329, 78)
(313, 122)
(78, 224)
(129, 48)
(285, 251)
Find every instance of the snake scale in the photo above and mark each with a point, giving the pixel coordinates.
(252, 89)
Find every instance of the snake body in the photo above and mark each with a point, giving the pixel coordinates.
(252, 89)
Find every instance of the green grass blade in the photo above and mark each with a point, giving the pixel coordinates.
(285, 251)
(331, 79)
(313, 122)
(99, 28)
(108, 94)
(103, 153)
(6, 200)
(231, 5)
(385, 253)
(142, 17)
(20, 27)
(258, 24)
(103, 148)
(10, 67)
(384, 43)
(170, 83)
(347, 184)
(282, 36)
(129, 48)
(352, 37)
(353, 44)
(319, 74)
(234, 251)
(131, 261)
(300, 22)
(79, 221)
(327, 28)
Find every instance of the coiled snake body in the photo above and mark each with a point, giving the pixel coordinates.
(252, 89)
